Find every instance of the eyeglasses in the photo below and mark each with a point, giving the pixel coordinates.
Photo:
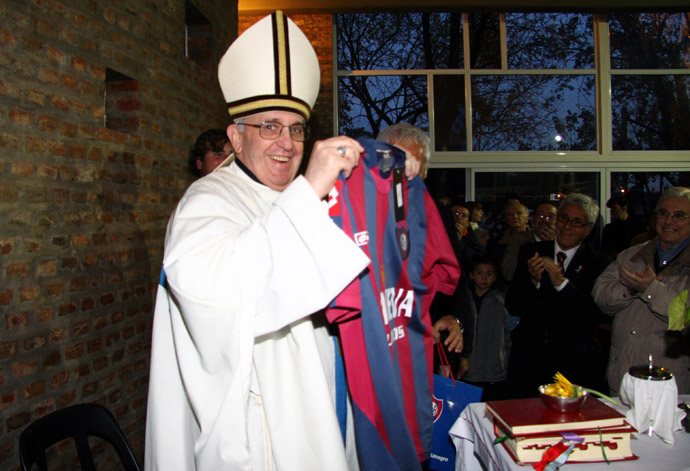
(575, 222)
(545, 217)
(271, 131)
(677, 217)
(460, 214)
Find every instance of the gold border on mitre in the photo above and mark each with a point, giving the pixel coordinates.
(271, 66)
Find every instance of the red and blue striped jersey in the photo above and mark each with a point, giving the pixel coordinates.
(383, 316)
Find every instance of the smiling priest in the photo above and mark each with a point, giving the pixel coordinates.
(241, 374)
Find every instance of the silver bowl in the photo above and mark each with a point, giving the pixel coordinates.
(563, 404)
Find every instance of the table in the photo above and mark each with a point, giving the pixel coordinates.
(473, 436)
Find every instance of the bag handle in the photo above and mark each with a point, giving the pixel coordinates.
(444, 362)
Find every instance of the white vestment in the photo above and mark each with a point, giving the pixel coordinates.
(245, 268)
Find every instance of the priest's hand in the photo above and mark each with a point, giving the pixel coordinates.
(330, 157)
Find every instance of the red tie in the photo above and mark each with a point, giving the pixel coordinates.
(560, 257)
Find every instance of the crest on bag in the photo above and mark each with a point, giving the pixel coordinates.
(437, 405)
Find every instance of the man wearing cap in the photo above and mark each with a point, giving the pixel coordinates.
(240, 372)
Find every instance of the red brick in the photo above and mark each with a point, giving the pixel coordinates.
(67, 398)
(17, 270)
(55, 289)
(6, 38)
(73, 352)
(67, 308)
(44, 408)
(87, 304)
(77, 284)
(27, 293)
(31, 343)
(60, 102)
(7, 399)
(44, 314)
(24, 368)
(90, 260)
(47, 171)
(18, 420)
(22, 169)
(48, 267)
(6, 297)
(6, 246)
(8, 349)
(34, 389)
(68, 129)
(21, 118)
(15, 321)
(89, 389)
(94, 345)
(36, 97)
(58, 334)
(100, 322)
(82, 371)
(77, 63)
(36, 145)
(50, 77)
(80, 328)
(47, 123)
(59, 379)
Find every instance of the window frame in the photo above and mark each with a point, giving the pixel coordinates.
(603, 160)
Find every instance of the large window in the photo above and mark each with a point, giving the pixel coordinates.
(563, 92)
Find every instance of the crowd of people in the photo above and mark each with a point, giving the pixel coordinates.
(571, 302)
(246, 367)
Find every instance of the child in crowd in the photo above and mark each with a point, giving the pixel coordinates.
(486, 364)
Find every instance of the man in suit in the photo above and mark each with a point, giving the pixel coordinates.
(558, 317)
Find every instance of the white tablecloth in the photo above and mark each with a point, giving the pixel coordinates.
(473, 437)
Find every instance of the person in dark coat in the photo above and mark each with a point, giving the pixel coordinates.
(551, 293)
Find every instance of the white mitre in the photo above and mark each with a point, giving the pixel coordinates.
(271, 66)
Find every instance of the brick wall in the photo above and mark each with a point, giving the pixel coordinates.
(83, 208)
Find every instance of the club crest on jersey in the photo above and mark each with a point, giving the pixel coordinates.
(437, 405)
(361, 238)
(403, 236)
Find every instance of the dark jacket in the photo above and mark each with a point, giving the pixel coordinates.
(558, 329)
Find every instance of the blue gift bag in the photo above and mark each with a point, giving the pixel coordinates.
(450, 397)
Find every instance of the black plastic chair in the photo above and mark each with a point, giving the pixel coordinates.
(77, 422)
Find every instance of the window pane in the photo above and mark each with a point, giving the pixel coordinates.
(449, 113)
(651, 112)
(447, 183)
(643, 188)
(491, 188)
(549, 41)
(368, 104)
(485, 41)
(649, 41)
(533, 112)
(399, 41)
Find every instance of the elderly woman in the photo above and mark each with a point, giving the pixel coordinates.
(639, 286)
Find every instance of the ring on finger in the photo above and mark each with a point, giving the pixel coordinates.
(342, 150)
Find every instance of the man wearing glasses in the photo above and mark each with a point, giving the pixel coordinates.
(645, 290)
(558, 317)
(241, 373)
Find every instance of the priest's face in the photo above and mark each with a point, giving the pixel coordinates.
(274, 161)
